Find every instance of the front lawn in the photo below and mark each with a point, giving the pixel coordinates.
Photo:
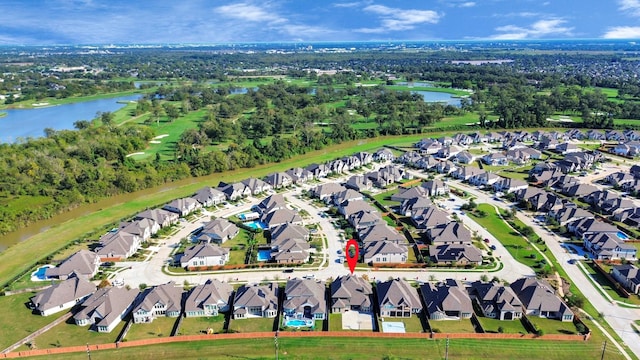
(160, 327)
(199, 325)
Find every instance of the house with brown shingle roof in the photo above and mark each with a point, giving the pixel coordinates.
(104, 310)
(209, 196)
(162, 217)
(83, 262)
(450, 233)
(539, 299)
(496, 300)
(256, 301)
(305, 299)
(396, 298)
(218, 231)
(351, 293)
(183, 206)
(62, 296)
(446, 300)
(460, 254)
(208, 299)
(160, 300)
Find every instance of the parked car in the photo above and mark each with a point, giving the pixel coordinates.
(492, 247)
(486, 240)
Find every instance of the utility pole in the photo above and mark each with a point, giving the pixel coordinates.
(446, 350)
(275, 343)
(604, 347)
(88, 352)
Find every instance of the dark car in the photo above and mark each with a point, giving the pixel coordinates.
(486, 240)
(287, 270)
(492, 247)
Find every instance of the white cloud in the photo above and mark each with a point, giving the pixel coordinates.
(249, 12)
(630, 6)
(394, 19)
(541, 28)
(622, 32)
(347, 5)
(467, 4)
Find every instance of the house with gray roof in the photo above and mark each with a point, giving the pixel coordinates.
(396, 298)
(256, 301)
(143, 228)
(234, 191)
(299, 175)
(496, 159)
(289, 244)
(204, 255)
(162, 217)
(383, 154)
(429, 217)
(289, 231)
(351, 293)
(118, 245)
(348, 195)
(364, 219)
(628, 276)
(305, 299)
(358, 183)
(364, 157)
(466, 172)
(409, 193)
(281, 217)
(318, 170)
(484, 178)
(217, 231)
(463, 157)
(415, 205)
(208, 299)
(325, 192)
(84, 262)
(62, 296)
(588, 225)
(450, 233)
(608, 246)
(183, 206)
(380, 232)
(427, 163)
(279, 180)
(569, 213)
(269, 204)
(353, 207)
(208, 196)
(256, 186)
(496, 300)
(435, 187)
(104, 310)
(157, 301)
(539, 299)
(446, 300)
(509, 185)
(458, 254)
(619, 178)
(385, 252)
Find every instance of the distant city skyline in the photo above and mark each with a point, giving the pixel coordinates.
(31, 22)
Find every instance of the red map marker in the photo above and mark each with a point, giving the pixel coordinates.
(351, 253)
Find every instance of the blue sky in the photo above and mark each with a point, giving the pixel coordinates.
(223, 21)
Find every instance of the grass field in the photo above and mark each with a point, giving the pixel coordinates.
(508, 327)
(411, 325)
(161, 326)
(515, 244)
(199, 325)
(251, 325)
(70, 334)
(17, 321)
(551, 326)
(363, 348)
(452, 326)
(608, 287)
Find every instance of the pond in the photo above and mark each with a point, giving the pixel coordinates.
(442, 97)
(24, 123)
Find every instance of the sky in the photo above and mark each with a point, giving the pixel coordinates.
(47, 22)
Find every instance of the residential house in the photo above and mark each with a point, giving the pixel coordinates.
(429, 146)
(157, 301)
(463, 157)
(396, 298)
(358, 183)
(305, 299)
(429, 217)
(569, 213)
(450, 233)
(204, 255)
(270, 204)
(496, 300)
(351, 162)
(567, 148)
(466, 172)
(183, 206)
(509, 185)
(279, 180)
(383, 155)
(364, 157)
(351, 293)
(589, 225)
(117, 246)
(538, 299)
(608, 246)
(455, 254)
(496, 159)
(318, 171)
(484, 179)
(446, 300)
(62, 296)
(343, 197)
(446, 167)
(380, 232)
(208, 299)
(289, 244)
(256, 186)
(628, 276)
(234, 191)
(448, 151)
(387, 252)
(161, 217)
(414, 205)
(218, 231)
(84, 263)
(208, 196)
(325, 192)
(410, 193)
(256, 301)
(436, 187)
(104, 310)
(365, 219)
(353, 207)
(619, 178)
(427, 163)
(143, 228)
(594, 135)
(280, 217)
(299, 175)
(578, 189)
(337, 166)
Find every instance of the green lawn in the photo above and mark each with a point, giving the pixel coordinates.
(607, 286)
(411, 325)
(199, 325)
(384, 198)
(551, 326)
(348, 348)
(17, 321)
(160, 327)
(70, 334)
(335, 322)
(508, 326)
(251, 325)
(452, 326)
(515, 244)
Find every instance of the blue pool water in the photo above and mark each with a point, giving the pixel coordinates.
(264, 255)
(622, 236)
(256, 225)
(298, 323)
(40, 274)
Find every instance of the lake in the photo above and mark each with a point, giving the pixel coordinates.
(433, 96)
(24, 123)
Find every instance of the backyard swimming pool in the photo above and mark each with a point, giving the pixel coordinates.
(40, 273)
(256, 225)
(264, 255)
(298, 323)
(622, 236)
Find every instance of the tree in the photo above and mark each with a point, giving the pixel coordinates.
(106, 117)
